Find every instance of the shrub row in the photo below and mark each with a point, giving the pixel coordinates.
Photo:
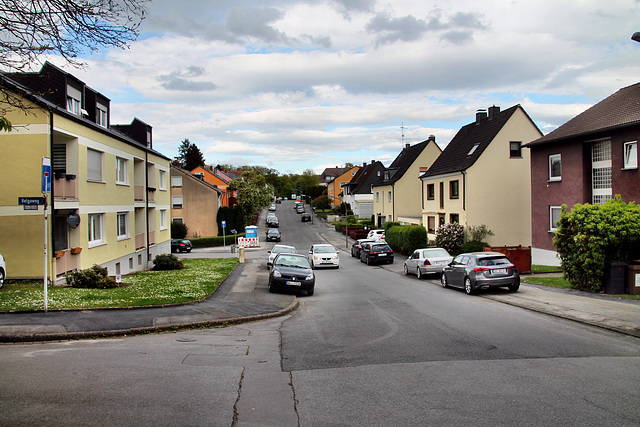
(405, 239)
(91, 278)
(208, 242)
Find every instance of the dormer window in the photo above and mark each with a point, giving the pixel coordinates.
(386, 175)
(473, 149)
(74, 100)
(102, 116)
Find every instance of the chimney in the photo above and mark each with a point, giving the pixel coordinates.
(480, 115)
(364, 164)
(432, 138)
(493, 111)
(407, 145)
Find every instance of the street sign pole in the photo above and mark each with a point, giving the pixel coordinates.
(224, 228)
(46, 188)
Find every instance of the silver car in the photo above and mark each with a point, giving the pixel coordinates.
(481, 270)
(277, 249)
(427, 261)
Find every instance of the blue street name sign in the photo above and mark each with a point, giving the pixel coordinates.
(30, 201)
(224, 224)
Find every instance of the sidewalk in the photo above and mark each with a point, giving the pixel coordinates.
(244, 297)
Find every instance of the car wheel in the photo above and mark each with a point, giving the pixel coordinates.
(468, 288)
(406, 270)
(310, 292)
(443, 280)
(419, 273)
(368, 261)
(361, 259)
(353, 255)
(1, 277)
(271, 290)
(514, 288)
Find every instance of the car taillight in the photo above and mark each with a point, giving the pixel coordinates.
(426, 262)
(373, 252)
(481, 269)
(512, 267)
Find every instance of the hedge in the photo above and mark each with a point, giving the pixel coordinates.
(405, 239)
(207, 242)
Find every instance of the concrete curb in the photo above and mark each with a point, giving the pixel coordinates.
(39, 337)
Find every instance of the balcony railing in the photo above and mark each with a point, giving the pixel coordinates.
(65, 187)
(138, 193)
(66, 261)
(140, 241)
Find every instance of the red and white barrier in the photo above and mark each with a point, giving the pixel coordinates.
(248, 242)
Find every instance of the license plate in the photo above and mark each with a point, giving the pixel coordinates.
(500, 271)
(290, 283)
(441, 262)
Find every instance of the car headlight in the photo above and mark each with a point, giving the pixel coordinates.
(309, 277)
(276, 273)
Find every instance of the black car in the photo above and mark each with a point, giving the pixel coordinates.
(481, 270)
(291, 272)
(357, 247)
(272, 221)
(376, 253)
(180, 245)
(273, 235)
(305, 217)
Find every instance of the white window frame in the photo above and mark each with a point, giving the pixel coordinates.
(552, 223)
(174, 204)
(122, 225)
(102, 115)
(121, 171)
(162, 180)
(178, 219)
(74, 100)
(163, 219)
(176, 181)
(92, 175)
(377, 197)
(553, 158)
(96, 229)
(389, 197)
(630, 155)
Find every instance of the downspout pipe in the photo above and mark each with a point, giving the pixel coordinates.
(51, 202)
(146, 200)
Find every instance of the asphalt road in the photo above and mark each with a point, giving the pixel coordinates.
(371, 347)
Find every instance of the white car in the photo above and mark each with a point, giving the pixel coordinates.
(376, 234)
(276, 249)
(324, 255)
(3, 271)
(427, 260)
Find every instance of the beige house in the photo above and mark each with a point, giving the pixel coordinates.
(195, 203)
(398, 191)
(483, 178)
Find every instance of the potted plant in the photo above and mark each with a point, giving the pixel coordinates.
(59, 254)
(76, 251)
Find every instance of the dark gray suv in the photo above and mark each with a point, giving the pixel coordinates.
(481, 270)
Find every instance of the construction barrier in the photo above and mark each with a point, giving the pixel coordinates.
(248, 242)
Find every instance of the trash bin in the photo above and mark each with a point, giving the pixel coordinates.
(614, 277)
(233, 249)
(633, 279)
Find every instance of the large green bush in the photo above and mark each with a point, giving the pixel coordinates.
(91, 278)
(591, 235)
(405, 239)
(179, 230)
(167, 262)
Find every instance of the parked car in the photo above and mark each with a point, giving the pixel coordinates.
(376, 252)
(357, 247)
(296, 204)
(300, 208)
(481, 270)
(3, 270)
(181, 245)
(291, 272)
(272, 207)
(273, 235)
(272, 221)
(376, 234)
(277, 249)
(324, 255)
(426, 261)
(305, 217)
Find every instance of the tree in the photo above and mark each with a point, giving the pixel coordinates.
(31, 30)
(189, 156)
(253, 193)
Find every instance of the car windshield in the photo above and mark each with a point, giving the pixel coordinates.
(293, 261)
(379, 248)
(488, 262)
(283, 249)
(436, 253)
(273, 232)
(324, 249)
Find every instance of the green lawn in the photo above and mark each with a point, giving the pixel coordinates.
(559, 282)
(196, 281)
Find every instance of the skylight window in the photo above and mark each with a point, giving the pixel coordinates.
(475, 147)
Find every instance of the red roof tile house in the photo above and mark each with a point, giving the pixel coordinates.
(589, 159)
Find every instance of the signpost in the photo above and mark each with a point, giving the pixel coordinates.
(46, 189)
(224, 227)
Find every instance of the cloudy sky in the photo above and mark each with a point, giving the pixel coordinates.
(309, 84)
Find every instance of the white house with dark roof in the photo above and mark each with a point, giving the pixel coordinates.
(482, 178)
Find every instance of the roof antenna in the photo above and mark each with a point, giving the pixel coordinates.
(402, 128)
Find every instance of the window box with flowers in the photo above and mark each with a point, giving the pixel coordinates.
(59, 254)
(76, 251)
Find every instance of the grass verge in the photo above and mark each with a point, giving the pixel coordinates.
(196, 281)
(559, 282)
